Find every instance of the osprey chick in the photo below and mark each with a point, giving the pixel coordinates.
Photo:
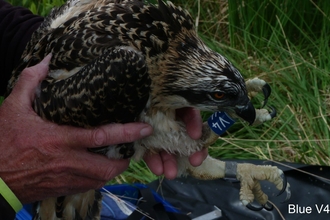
(125, 60)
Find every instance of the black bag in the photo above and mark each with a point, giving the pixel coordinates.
(310, 196)
(189, 198)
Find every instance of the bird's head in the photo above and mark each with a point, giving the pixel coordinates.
(191, 74)
(183, 70)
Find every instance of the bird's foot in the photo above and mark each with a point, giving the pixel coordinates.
(263, 115)
(254, 86)
(249, 175)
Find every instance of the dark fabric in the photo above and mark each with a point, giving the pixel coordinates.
(155, 210)
(198, 197)
(193, 198)
(16, 27)
(6, 211)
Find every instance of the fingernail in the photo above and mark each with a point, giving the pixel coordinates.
(100, 137)
(146, 131)
(46, 60)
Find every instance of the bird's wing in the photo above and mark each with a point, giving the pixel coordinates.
(112, 88)
(95, 78)
(75, 37)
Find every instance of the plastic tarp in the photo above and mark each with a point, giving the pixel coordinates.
(310, 196)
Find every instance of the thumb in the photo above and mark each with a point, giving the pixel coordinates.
(29, 80)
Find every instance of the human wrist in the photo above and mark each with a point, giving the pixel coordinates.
(9, 196)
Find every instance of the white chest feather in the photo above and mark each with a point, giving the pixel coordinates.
(169, 135)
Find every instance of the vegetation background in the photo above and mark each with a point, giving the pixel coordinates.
(284, 42)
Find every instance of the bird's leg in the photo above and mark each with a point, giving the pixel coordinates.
(248, 174)
(254, 86)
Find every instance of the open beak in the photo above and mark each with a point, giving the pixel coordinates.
(247, 112)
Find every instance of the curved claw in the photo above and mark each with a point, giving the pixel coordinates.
(273, 113)
(285, 183)
(286, 188)
(288, 194)
(266, 91)
(267, 206)
(253, 208)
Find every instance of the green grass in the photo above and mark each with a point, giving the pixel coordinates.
(287, 44)
(40, 7)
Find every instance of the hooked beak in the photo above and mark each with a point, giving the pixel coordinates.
(247, 112)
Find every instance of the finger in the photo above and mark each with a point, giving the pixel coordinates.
(93, 166)
(155, 163)
(105, 135)
(193, 121)
(29, 80)
(89, 172)
(170, 165)
(197, 158)
(101, 168)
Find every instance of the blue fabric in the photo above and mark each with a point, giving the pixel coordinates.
(130, 194)
(112, 207)
(24, 214)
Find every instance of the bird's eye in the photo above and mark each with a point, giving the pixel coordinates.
(218, 95)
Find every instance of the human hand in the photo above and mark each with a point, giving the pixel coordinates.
(165, 163)
(40, 159)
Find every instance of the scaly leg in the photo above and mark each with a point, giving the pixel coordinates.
(248, 174)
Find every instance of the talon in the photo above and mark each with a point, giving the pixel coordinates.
(253, 208)
(283, 177)
(288, 193)
(286, 188)
(273, 113)
(267, 91)
(268, 206)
